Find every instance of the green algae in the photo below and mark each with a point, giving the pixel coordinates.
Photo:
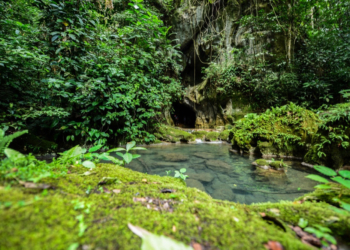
(50, 222)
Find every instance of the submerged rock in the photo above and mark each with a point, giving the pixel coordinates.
(204, 155)
(205, 177)
(220, 166)
(223, 194)
(195, 183)
(175, 157)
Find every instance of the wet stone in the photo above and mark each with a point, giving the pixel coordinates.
(174, 157)
(195, 184)
(220, 166)
(205, 155)
(205, 177)
(223, 194)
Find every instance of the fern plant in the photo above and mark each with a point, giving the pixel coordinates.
(6, 140)
(342, 177)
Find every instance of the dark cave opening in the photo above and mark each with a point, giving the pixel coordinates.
(183, 115)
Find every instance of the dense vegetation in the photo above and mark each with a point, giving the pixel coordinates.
(86, 71)
(297, 51)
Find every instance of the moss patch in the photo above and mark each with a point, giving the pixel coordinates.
(224, 135)
(32, 220)
(200, 134)
(282, 131)
(170, 134)
(212, 136)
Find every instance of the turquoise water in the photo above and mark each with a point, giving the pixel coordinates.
(225, 175)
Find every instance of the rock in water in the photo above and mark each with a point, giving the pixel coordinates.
(195, 184)
(220, 166)
(205, 177)
(204, 155)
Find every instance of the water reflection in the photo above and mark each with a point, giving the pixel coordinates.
(224, 175)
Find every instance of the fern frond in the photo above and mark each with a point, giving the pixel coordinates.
(6, 140)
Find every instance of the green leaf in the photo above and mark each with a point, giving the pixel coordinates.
(345, 173)
(130, 145)
(345, 205)
(154, 242)
(323, 186)
(89, 164)
(134, 156)
(183, 170)
(330, 238)
(14, 155)
(95, 148)
(127, 157)
(342, 181)
(325, 170)
(303, 223)
(138, 148)
(116, 150)
(317, 178)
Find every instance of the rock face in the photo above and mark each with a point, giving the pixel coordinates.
(209, 33)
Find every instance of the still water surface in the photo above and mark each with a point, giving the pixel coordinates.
(224, 175)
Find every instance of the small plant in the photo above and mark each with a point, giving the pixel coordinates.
(6, 140)
(168, 172)
(180, 174)
(127, 157)
(322, 233)
(343, 178)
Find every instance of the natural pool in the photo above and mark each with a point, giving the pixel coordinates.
(223, 174)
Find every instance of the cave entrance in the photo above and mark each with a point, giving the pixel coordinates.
(186, 116)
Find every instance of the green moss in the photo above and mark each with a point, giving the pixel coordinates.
(224, 135)
(200, 134)
(50, 222)
(212, 136)
(282, 131)
(170, 134)
(262, 162)
(277, 164)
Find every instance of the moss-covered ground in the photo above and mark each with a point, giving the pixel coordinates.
(36, 219)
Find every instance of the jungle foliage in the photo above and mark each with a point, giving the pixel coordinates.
(86, 71)
(296, 50)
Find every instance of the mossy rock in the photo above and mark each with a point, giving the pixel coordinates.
(200, 134)
(282, 131)
(170, 134)
(35, 220)
(225, 135)
(212, 136)
(270, 164)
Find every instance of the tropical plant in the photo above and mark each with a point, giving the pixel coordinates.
(181, 174)
(6, 140)
(321, 232)
(127, 157)
(342, 177)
